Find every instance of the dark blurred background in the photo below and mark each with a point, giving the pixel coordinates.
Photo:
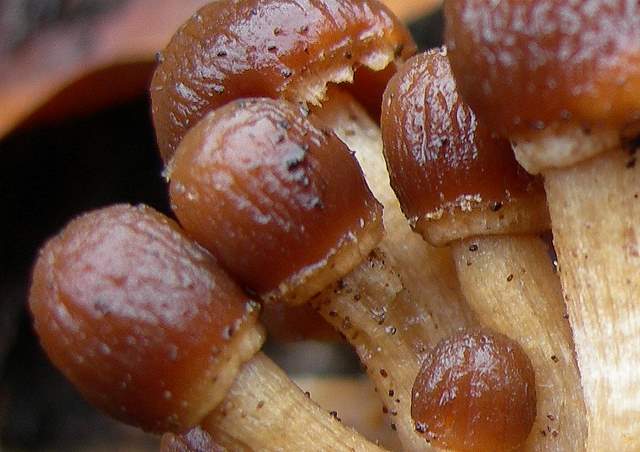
(55, 165)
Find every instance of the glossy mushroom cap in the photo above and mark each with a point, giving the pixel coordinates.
(140, 318)
(475, 392)
(271, 48)
(453, 177)
(523, 66)
(282, 203)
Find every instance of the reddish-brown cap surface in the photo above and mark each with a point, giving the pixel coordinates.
(440, 158)
(475, 392)
(523, 65)
(136, 315)
(271, 195)
(269, 48)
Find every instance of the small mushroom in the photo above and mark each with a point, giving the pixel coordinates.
(461, 186)
(475, 392)
(560, 79)
(453, 177)
(151, 330)
(281, 203)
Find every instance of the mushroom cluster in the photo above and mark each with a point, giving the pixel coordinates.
(313, 160)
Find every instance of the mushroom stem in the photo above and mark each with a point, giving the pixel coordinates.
(241, 420)
(427, 272)
(594, 210)
(509, 282)
(371, 308)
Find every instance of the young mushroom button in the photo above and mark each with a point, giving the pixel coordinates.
(561, 80)
(475, 392)
(272, 48)
(148, 327)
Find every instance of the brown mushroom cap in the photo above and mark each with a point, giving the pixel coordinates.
(475, 392)
(141, 319)
(276, 199)
(269, 48)
(442, 162)
(524, 65)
